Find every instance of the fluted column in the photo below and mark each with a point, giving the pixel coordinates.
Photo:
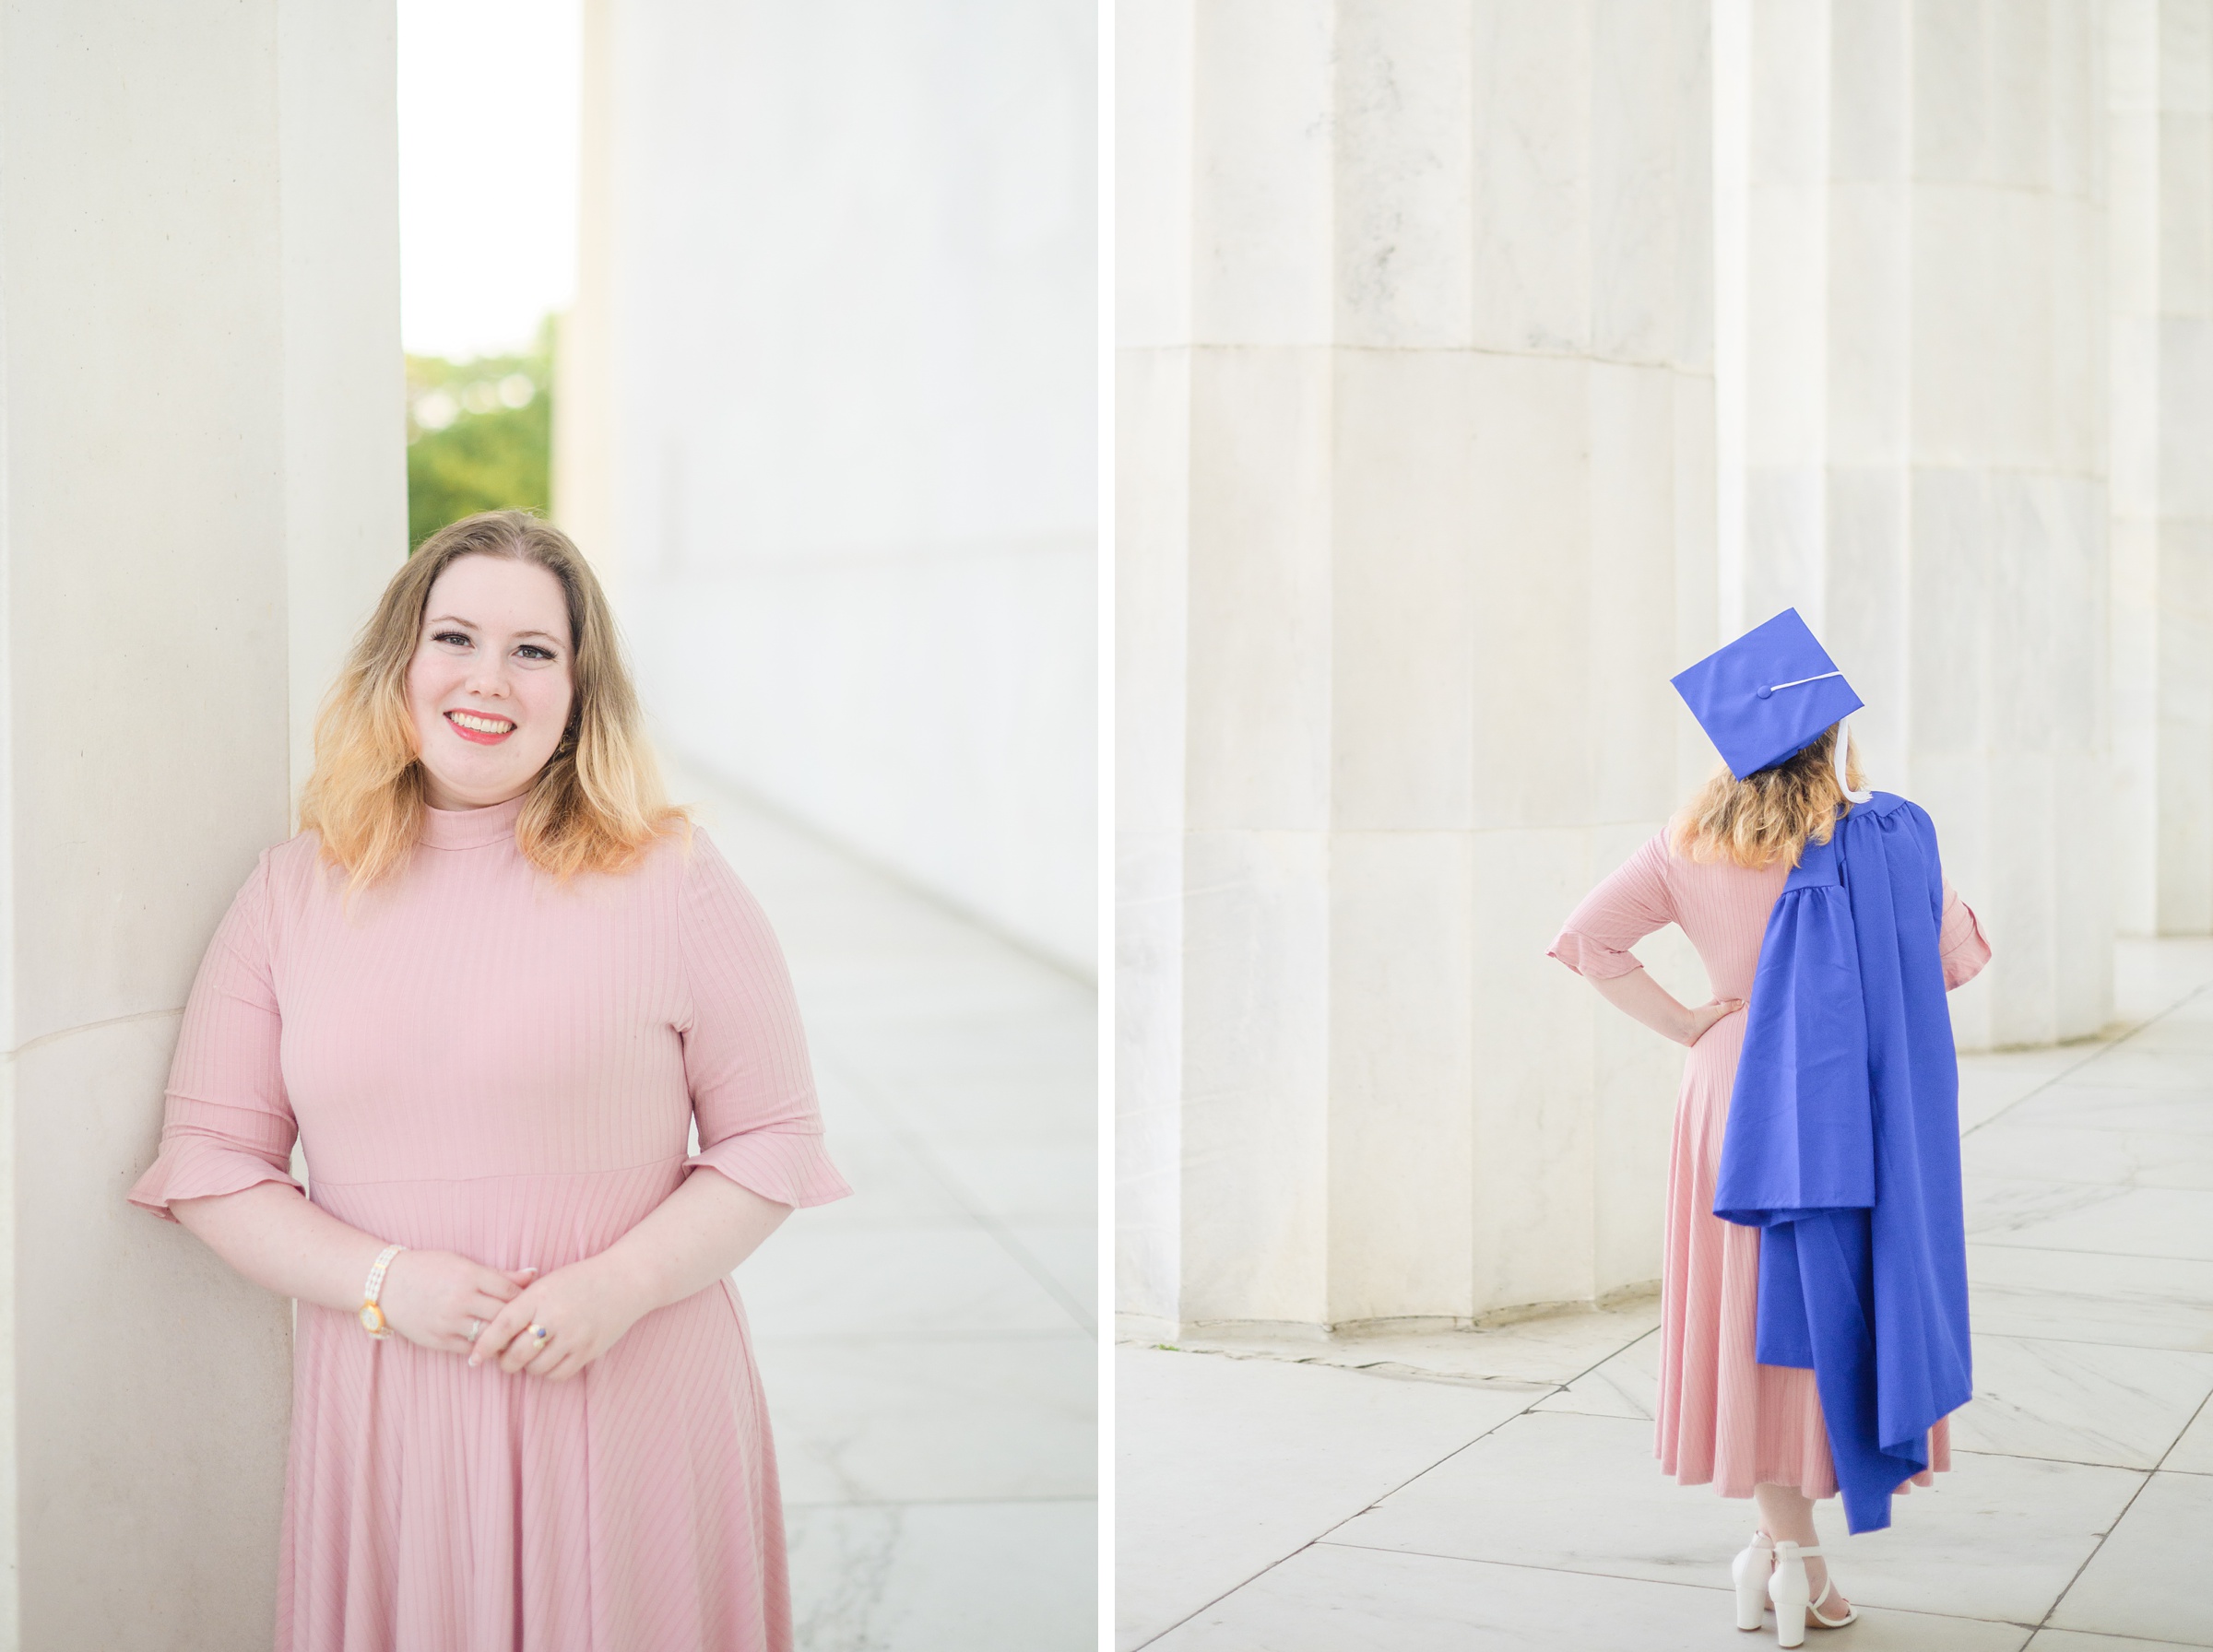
(201, 485)
(2160, 138)
(1911, 363)
(1414, 522)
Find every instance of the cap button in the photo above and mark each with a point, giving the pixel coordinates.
(1762, 692)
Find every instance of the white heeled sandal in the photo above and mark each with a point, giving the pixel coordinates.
(1787, 1588)
(1749, 1571)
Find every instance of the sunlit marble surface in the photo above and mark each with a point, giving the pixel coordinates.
(2077, 1516)
(928, 1346)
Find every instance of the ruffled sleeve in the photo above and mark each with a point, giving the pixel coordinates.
(1960, 940)
(1624, 908)
(228, 1122)
(745, 1053)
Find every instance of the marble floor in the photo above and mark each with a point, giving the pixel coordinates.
(1497, 1489)
(930, 1346)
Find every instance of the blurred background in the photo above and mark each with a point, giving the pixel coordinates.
(844, 491)
(787, 316)
(1481, 365)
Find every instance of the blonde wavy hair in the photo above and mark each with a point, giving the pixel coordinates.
(596, 807)
(1772, 813)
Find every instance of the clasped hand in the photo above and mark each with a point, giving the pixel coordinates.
(430, 1297)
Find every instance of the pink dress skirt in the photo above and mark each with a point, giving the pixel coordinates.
(477, 1060)
(1723, 1417)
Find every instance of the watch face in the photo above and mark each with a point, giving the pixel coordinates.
(373, 1318)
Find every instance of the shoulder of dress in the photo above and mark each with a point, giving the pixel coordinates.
(680, 847)
(295, 858)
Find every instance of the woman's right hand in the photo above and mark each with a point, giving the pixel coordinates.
(1704, 1015)
(430, 1296)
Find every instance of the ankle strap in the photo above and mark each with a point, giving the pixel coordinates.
(1800, 1549)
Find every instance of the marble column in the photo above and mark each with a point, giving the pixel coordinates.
(2159, 264)
(200, 475)
(1415, 520)
(832, 419)
(1910, 363)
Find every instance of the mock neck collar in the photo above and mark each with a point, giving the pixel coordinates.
(471, 827)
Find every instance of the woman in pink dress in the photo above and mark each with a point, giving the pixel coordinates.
(490, 989)
(1749, 1429)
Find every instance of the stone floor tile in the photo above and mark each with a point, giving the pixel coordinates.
(1026, 1181)
(1555, 1348)
(1997, 1538)
(2193, 1454)
(2150, 1576)
(1043, 1103)
(916, 1281)
(2141, 1063)
(2100, 1106)
(892, 1420)
(1626, 1385)
(1070, 1257)
(2081, 1403)
(946, 1577)
(2186, 1032)
(1331, 1597)
(2082, 1216)
(1991, 1084)
(930, 1371)
(2074, 1640)
(2118, 1158)
(1226, 1466)
(2079, 1296)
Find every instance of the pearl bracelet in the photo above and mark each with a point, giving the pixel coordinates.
(373, 1317)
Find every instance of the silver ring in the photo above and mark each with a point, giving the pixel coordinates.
(475, 1329)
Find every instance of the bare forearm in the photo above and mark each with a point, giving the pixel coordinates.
(1639, 997)
(275, 1237)
(698, 1234)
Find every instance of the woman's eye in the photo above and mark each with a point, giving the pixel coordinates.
(451, 636)
(535, 652)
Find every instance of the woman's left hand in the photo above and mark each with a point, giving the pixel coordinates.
(584, 1307)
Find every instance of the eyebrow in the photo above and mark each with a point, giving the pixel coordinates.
(456, 619)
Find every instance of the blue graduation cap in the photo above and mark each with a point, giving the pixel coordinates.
(1768, 695)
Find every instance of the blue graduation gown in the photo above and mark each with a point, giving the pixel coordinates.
(1843, 1147)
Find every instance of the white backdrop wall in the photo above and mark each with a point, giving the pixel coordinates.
(838, 317)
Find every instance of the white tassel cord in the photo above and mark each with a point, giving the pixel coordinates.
(1844, 763)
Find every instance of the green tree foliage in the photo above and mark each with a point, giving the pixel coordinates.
(479, 436)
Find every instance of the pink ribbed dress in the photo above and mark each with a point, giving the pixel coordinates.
(1723, 1418)
(474, 1059)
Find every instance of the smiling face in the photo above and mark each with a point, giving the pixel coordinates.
(491, 684)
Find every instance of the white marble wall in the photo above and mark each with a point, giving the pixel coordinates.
(2160, 264)
(201, 472)
(1911, 368)
(1415, 498)
(847, 338)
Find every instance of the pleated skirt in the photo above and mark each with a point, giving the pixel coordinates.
(1723, 1417)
